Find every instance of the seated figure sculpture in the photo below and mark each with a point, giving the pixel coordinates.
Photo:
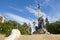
(14, 34)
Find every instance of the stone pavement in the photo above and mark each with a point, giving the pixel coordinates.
(36, 37)
(39, 37)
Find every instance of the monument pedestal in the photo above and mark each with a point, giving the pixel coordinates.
(41, 31)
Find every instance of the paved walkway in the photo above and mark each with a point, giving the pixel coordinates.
(39, 37)
(35, 37)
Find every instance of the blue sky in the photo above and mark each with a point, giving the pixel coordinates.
(26, 10)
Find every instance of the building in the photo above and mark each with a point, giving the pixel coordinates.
(2, 19)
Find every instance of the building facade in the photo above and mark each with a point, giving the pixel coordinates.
(2, 19)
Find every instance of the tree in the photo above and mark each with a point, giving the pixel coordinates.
(29, 28)
(25, 25)
(54, 27)
(6, 28)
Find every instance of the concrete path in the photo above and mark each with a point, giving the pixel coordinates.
(39, 37)
(35, 37)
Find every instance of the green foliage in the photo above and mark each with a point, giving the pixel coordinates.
(54, 27)
(23, 30)
(6, 28)
(27, 29)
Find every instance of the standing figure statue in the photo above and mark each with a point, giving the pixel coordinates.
(40, 22)
(41, 25)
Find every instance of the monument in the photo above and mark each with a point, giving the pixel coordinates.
(41, 28)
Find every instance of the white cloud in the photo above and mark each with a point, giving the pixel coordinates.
(52, 16)
(35, 12)
(17, 9)
(45, 3)
(32, 11)
(54, 11)
(20, 20)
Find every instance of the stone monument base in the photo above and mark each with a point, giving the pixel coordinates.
(41, 31)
